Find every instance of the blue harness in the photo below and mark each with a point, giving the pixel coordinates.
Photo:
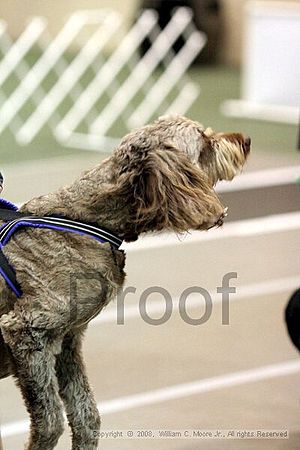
(16, 221)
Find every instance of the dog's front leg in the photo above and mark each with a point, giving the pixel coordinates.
(74, 389)
(34, 369)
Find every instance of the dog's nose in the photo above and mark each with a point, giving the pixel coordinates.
(247, 144)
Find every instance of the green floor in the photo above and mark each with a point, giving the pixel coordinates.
(217, 84)
(220, 83)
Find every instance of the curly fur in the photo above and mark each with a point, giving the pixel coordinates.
(161, 177)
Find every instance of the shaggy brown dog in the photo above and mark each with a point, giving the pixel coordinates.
(161, 177)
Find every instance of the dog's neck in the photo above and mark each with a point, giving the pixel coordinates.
(89, 199)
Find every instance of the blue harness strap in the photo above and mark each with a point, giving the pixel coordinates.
(59, 224)
(16, 221)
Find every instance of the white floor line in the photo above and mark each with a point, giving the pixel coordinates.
(240, 228)
(248, 180)
(178, 391)
(200, 387)
(261, 179)
(157, 307)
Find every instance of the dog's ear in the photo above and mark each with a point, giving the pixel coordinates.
(166, 190)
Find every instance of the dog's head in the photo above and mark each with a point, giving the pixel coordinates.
(167, 171)
(220, 155)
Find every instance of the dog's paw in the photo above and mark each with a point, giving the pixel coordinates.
(220, 220)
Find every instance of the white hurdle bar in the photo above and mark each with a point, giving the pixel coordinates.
(188, 91)
(14, 59)
(187, 96)
(109, 24)
(180, 20)
(169, 91)
(261, 111)
(42, 67)
(168, 79)
(108, 72)
(19, 49)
